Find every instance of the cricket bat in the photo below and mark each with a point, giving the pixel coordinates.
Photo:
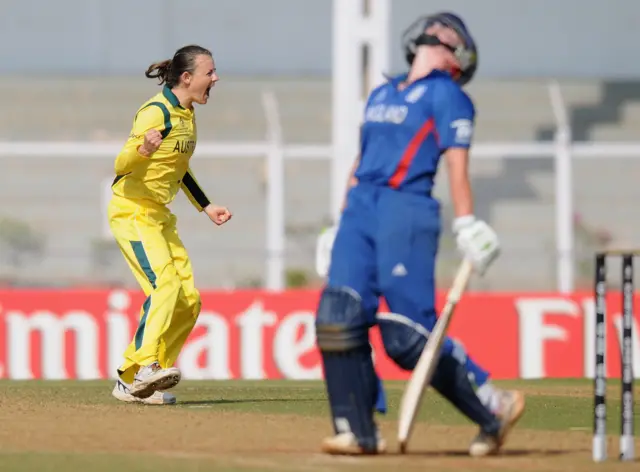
(422, 374)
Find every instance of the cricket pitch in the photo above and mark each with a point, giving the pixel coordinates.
(277, 426)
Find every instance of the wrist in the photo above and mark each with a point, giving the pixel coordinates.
(144, 152)
(461, 222)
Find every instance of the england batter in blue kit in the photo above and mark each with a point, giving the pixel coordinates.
(387, 242)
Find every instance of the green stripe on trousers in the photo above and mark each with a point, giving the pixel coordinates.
(143, 260)
(143, 322)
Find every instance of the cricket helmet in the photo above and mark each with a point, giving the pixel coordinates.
(466, 53)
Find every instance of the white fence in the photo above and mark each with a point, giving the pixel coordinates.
(275, 151)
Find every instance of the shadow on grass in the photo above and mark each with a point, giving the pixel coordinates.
(504, 453)
(223, 401)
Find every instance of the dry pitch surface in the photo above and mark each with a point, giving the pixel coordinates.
(277, 426)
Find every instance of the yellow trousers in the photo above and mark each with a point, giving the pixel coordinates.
(147, 236)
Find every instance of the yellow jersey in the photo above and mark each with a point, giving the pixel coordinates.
(158, 178)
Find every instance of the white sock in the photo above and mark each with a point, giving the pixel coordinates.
(489, 396)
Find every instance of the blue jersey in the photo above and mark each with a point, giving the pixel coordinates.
(405, 132)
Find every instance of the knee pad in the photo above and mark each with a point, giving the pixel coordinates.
(403, 339)
(340, 321)
(342, 335)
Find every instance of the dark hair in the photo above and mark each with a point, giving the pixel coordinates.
(170, 70)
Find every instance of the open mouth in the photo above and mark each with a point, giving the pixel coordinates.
(206, 94)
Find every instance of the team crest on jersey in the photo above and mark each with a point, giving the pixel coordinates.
(416, 94)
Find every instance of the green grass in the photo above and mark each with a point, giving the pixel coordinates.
(80, 462)
(546, 412)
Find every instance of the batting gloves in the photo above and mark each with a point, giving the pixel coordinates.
(477, 242)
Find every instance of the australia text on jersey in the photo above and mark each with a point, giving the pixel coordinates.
(184, 146)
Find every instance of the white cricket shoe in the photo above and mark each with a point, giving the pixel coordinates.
(510, 410)
(121, 391)
(151, 378)
(347, 444)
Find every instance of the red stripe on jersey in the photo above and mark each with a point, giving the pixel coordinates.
(410, 153)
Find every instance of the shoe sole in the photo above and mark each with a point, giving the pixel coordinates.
(340, 450)
(489, 450)
(124, 397)
(147, 401)
(144, 390)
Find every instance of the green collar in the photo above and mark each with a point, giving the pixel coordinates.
(169, 95)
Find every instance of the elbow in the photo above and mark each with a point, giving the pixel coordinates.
(121, 168)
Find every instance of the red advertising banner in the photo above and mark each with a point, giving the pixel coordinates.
(68, 334)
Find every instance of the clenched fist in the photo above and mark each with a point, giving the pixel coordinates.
(219, 215)
(152, 141)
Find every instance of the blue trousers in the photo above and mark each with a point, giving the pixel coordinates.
(387, 246)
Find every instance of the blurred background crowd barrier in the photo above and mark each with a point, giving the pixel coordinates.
(555, 78)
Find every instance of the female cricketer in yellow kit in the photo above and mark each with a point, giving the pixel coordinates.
(150, 170)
